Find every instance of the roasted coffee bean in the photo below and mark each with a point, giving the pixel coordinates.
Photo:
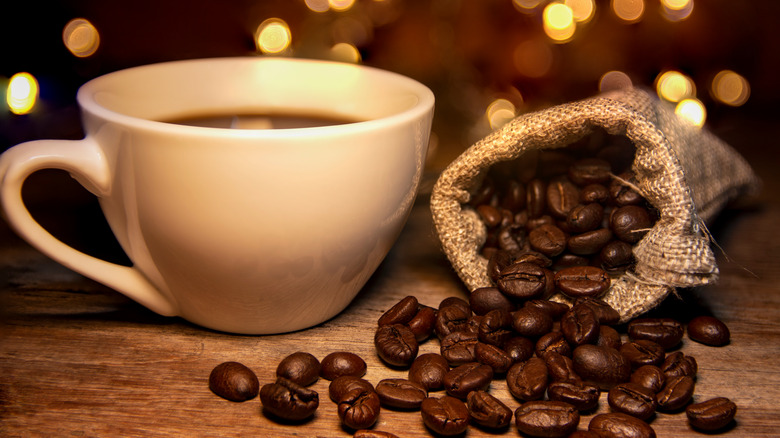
(589, 242)
(288, 400)
(619, 425)
(583, 396)
(608, 337)
(463, 379)
(604, 367)
(632, 399)
(459, 348)
(428, 370)
(368, 433)
(524, 281)
(666, 332)
(676, 394)
(490, 215)
(562, 196)
(552, 342)
(497, 262)
(513, 195)
(582, 434)
(359, 408)
(300, 367)
(451, 319)
(497, 359)
(445, 415)
(584, 217)
(568, 260)
(649, 376)
(401, 312)
(606, 314)
(484, 193)
(342, 363)
(423, 323)
(234, 381)
(536, 222)
(531, 322)
(401, 393)
(455, 301)
(536, 197)
(472, 325)
(495, 327)
(622, 193)
(396, 344)
(484, 299)
(511, 238)
(580, 325)
(560, 368)
(679, 364)
(534, 257)
(711, 415)
(547, 239)
(709, 330)
(589, 171)
(342, 385)
(528, 380)
(582, 281)
(642, 352)
(488, 411)
(553, 308)
(519, 348)
(594, 193)
(545, 418)
(630, 223)
(616, 256)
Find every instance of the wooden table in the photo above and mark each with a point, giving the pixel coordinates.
(78, 359)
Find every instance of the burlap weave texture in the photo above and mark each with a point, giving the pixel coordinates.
(685, 172)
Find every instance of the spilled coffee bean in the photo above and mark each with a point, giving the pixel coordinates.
(234, 381)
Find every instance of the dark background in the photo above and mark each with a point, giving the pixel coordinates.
(462, 49)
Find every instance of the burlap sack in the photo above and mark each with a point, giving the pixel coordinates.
(685, 172)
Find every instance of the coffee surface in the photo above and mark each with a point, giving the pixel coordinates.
(260, 120)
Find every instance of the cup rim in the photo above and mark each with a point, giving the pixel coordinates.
(425, 101)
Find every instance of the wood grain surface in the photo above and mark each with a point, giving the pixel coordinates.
(78, 359)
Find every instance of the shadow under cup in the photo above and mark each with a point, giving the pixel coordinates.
(251, 230)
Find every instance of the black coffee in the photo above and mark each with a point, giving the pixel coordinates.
(259, 121)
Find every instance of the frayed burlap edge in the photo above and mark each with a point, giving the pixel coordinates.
(674, 253)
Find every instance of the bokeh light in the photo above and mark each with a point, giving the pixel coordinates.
(533, 58)
(676, 10)
(273, 36)
(499, 112)
(526, 6)
(345, 52)
(558, 20)
(341, 5)
(81, 38)
(317, 5)
(692, 110)
(628, 10)
(583, 10)
(730, 88)
(614, 80)
(22, 93)
(674, 86)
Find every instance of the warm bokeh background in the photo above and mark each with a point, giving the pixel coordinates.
(486, 60)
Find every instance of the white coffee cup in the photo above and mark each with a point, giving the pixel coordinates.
(250, 231)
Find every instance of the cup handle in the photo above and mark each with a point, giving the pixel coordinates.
(87, 163)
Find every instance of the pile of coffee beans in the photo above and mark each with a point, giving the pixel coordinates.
(556, 360)
(574, 211)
